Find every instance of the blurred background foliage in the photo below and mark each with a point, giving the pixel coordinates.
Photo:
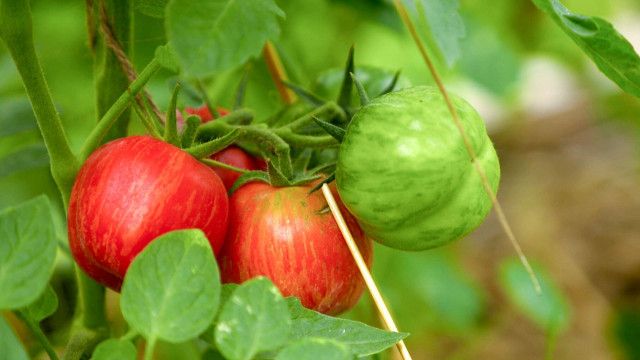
(567, 137)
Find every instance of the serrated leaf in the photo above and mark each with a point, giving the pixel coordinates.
(549, 310)
(315, 349)
(439, 22)
(11, 347)
(166, 57)
(43, 307)
(609, 50)
(153, 8)
(26, 158)
(172, 288)
(114, 349)
(254, 319)
(216, 35)
(27, 252)
(362, 339)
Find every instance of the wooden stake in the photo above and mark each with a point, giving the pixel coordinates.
(278, 73)
(364, 270)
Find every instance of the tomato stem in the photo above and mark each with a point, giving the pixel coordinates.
(279, 75)
(191, 129)
(17, 32)
(35, 329)
(111, 116)
(171, 124)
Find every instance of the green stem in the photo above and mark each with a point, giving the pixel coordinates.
(311, 141)
(330, 108)
(16, 30)
(111, 116)
(81, 343)
(91, 301)
(218, 164)
(110, 79)
(148, 349)
(40, 336)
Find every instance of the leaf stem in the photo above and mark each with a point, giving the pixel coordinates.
(148, 349)
(404, 15)
(111, 116)
(329, 107)
(39, 334)
(17, 31)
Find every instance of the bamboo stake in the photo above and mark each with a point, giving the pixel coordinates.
(364, 270)
(278, 73)
(404, 15)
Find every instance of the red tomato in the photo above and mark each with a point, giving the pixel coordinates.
(233, 156)
(204, 113)
(280, 233)
(132, 190)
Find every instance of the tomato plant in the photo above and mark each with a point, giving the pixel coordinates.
(282, 233)
(132, 190)
(217, 166)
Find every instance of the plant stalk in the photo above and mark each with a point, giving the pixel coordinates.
(39, 334)
(111, 116)
(17, 32)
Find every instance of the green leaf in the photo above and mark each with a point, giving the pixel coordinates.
(153, 8)
(11, 347)
(171, 290)
(26, 158)
(344, 98)
(255, 319)
(362, 339)
(608, 49)
(43, 307)
(166, 57)
(27, 252)
(210, 36)
(114, 349)
(316, 349)
(16, 116)
(439, 22)
(549, 310)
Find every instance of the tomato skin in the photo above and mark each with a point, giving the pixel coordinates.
(278, 233)
(204, 113)
(132, 190)
(233, 156)
(404, 172)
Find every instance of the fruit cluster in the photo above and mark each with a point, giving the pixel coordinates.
(401, 169)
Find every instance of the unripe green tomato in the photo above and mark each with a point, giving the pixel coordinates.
(403, 170)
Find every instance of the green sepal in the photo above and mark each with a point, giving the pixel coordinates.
(362, 93)
(328, 180)
(344, 98)
(276, 176)
(304, 179)
(170, 125)
(247, 177)
(301, 161)
(238, 117)
(209, 148)
(335, 131)
(392, 84)
(321, 168)
(190, 131)
(305, 95)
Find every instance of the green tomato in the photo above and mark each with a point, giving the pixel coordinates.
(404, 172)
